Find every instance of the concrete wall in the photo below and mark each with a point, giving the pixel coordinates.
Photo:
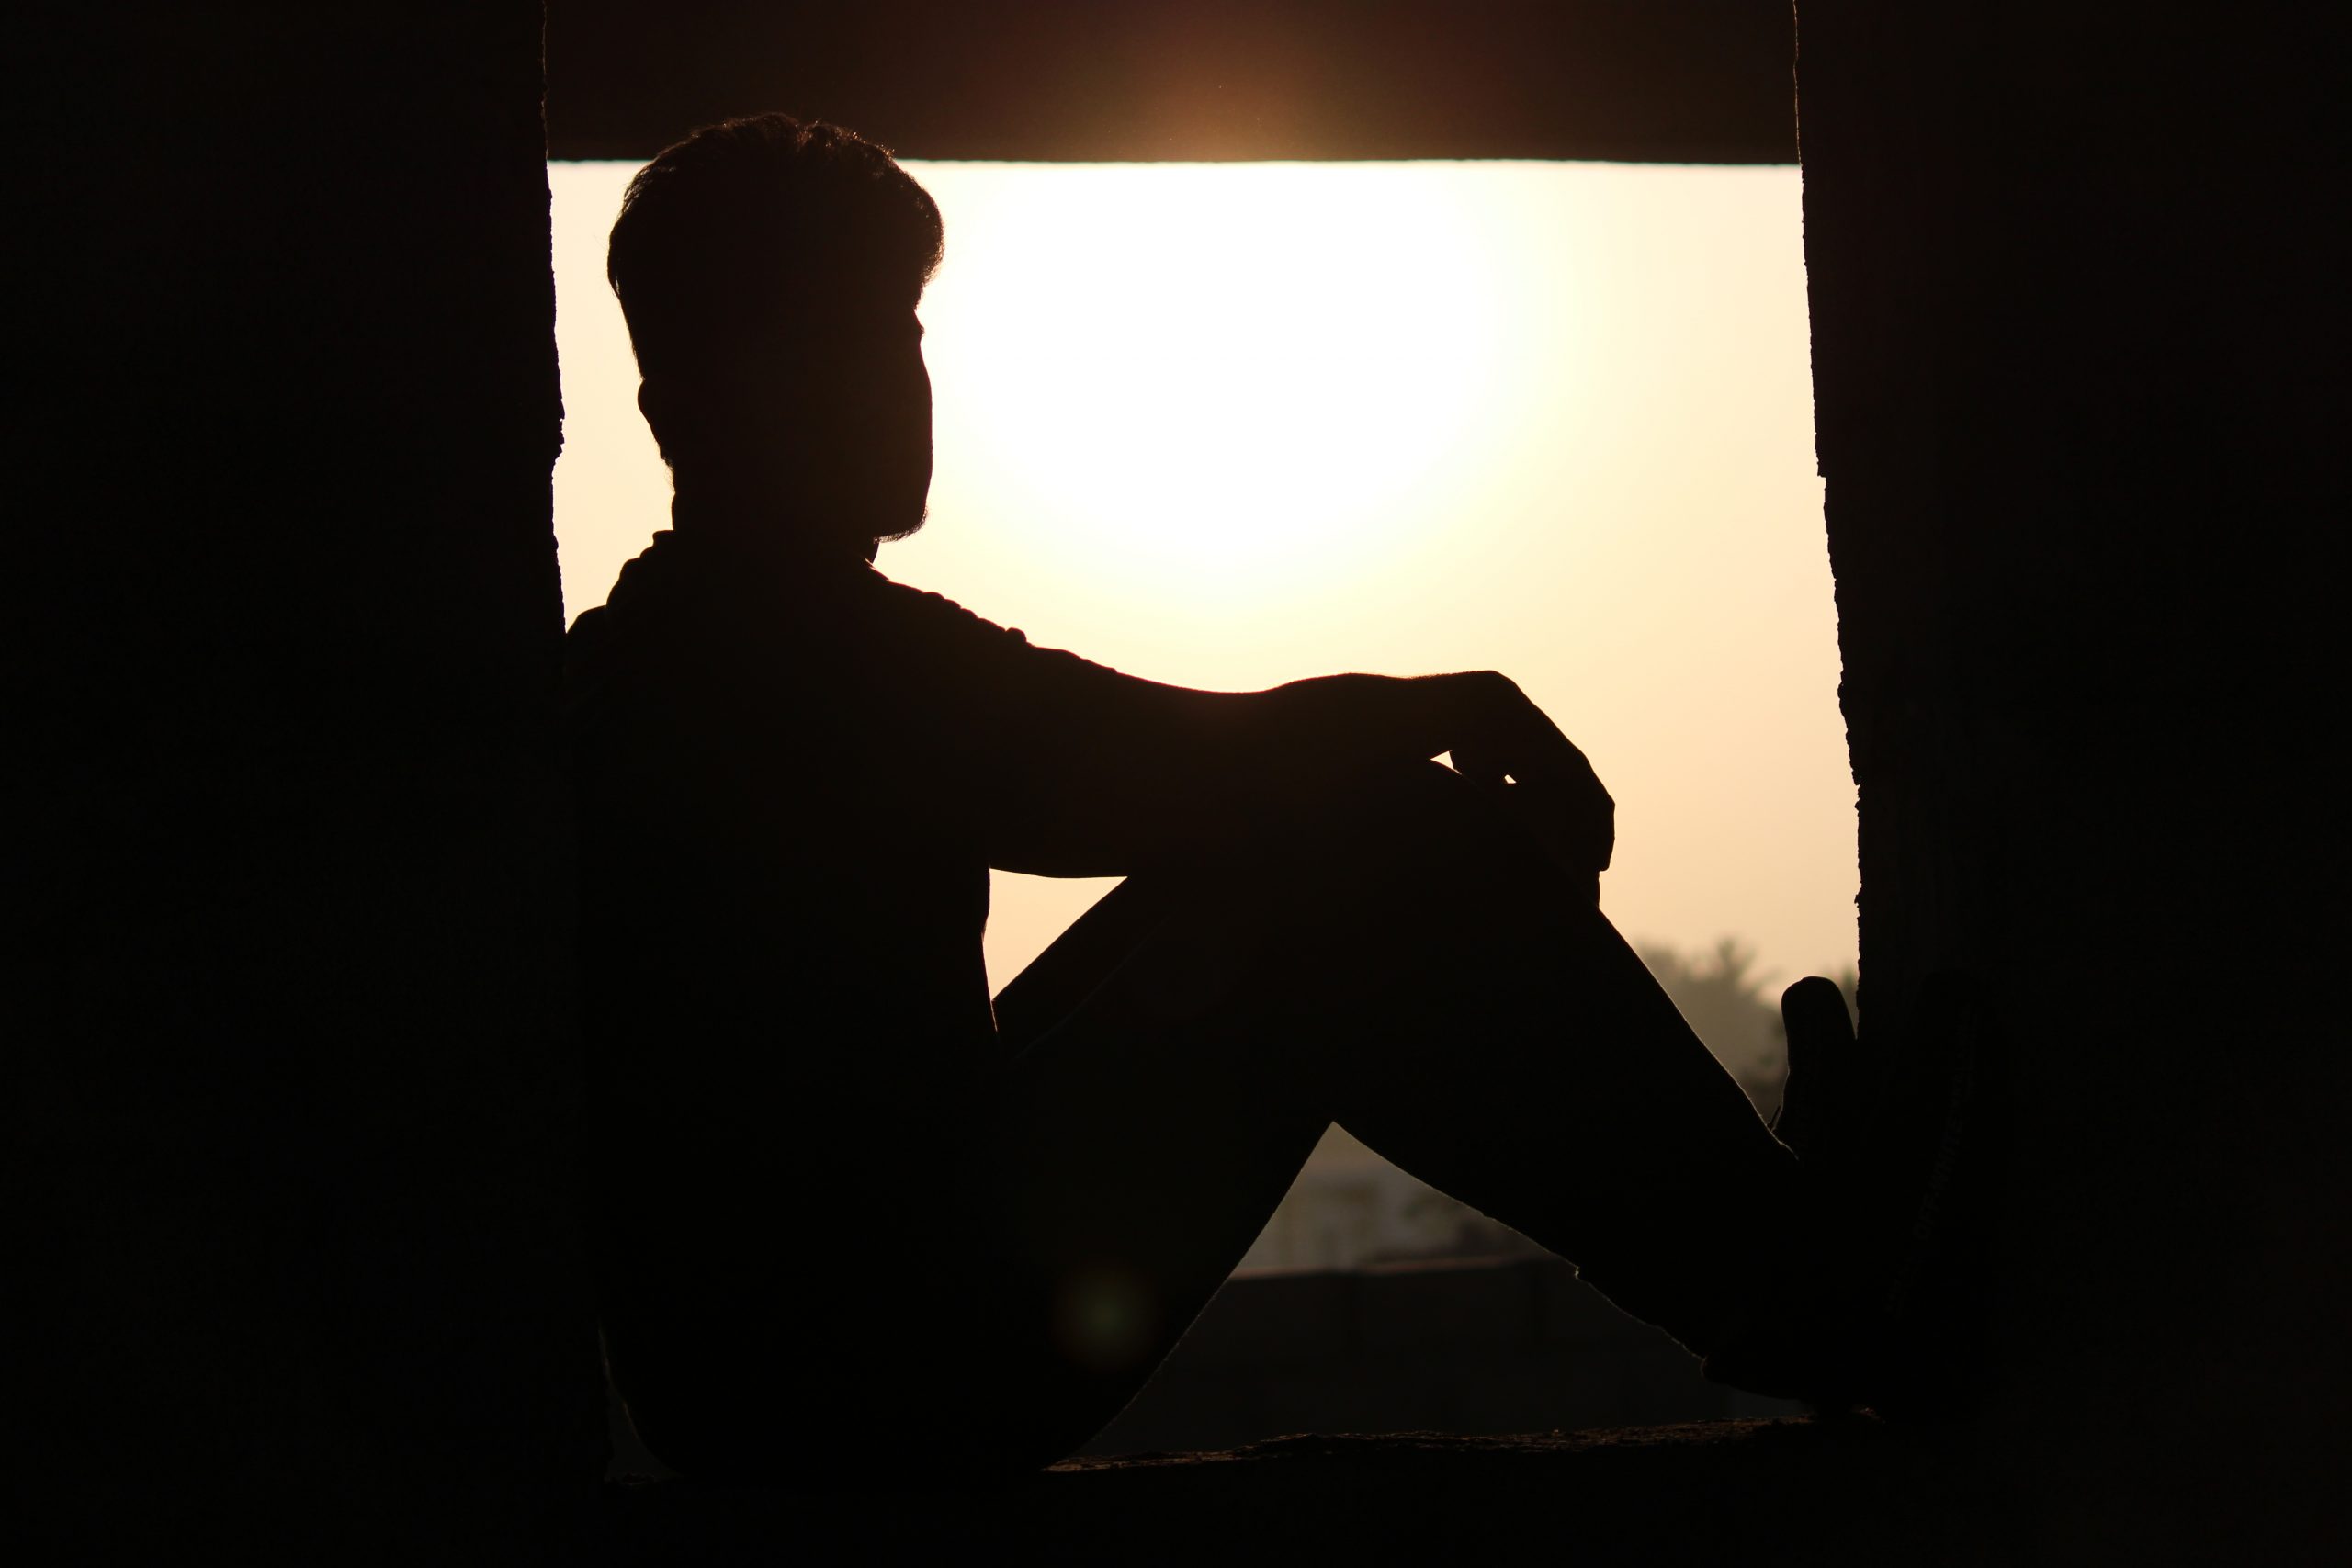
(2076, 299)
(288, 1070)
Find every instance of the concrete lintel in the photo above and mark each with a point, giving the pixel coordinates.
(1698, 81)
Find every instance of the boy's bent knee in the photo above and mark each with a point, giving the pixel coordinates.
(1414, 838)
(1424, 817)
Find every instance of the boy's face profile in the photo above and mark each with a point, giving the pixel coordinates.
(821, 415)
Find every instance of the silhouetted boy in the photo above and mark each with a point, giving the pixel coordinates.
(854, 1197)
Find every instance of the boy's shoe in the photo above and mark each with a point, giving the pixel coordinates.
(1888, 1311)
(1830, 1084)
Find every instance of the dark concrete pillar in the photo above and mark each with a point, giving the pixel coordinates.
(287, 1061)
(2076, 291)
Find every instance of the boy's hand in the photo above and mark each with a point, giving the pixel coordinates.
(1546, 783)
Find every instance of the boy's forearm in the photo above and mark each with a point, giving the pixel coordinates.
(1335, 724)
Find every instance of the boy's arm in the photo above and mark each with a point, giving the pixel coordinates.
(1150, 773)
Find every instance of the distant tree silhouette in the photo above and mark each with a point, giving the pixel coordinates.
(1733, 1007)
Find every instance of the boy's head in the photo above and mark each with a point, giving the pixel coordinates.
(770, 268)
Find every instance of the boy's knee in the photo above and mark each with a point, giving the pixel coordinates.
(1425, 813)
(1399, 849)
(1416, 833)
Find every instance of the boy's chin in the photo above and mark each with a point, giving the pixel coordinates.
(909, 532)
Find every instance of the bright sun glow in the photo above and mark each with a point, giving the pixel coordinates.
(1229, 425)
(1261, 379)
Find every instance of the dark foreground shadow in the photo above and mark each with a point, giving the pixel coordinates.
(1786, 1491)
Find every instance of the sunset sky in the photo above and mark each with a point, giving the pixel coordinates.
(1228, 426)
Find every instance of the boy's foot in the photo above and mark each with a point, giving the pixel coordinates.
(1883, 1309)
(1830, 1085)
(1811, 1340)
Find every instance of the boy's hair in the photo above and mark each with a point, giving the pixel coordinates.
(760, 218)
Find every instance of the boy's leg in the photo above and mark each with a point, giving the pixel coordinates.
(1404, 967)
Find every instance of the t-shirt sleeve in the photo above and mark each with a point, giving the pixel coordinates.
(1011, 733)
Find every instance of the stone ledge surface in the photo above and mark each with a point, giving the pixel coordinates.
(1765, 1491)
